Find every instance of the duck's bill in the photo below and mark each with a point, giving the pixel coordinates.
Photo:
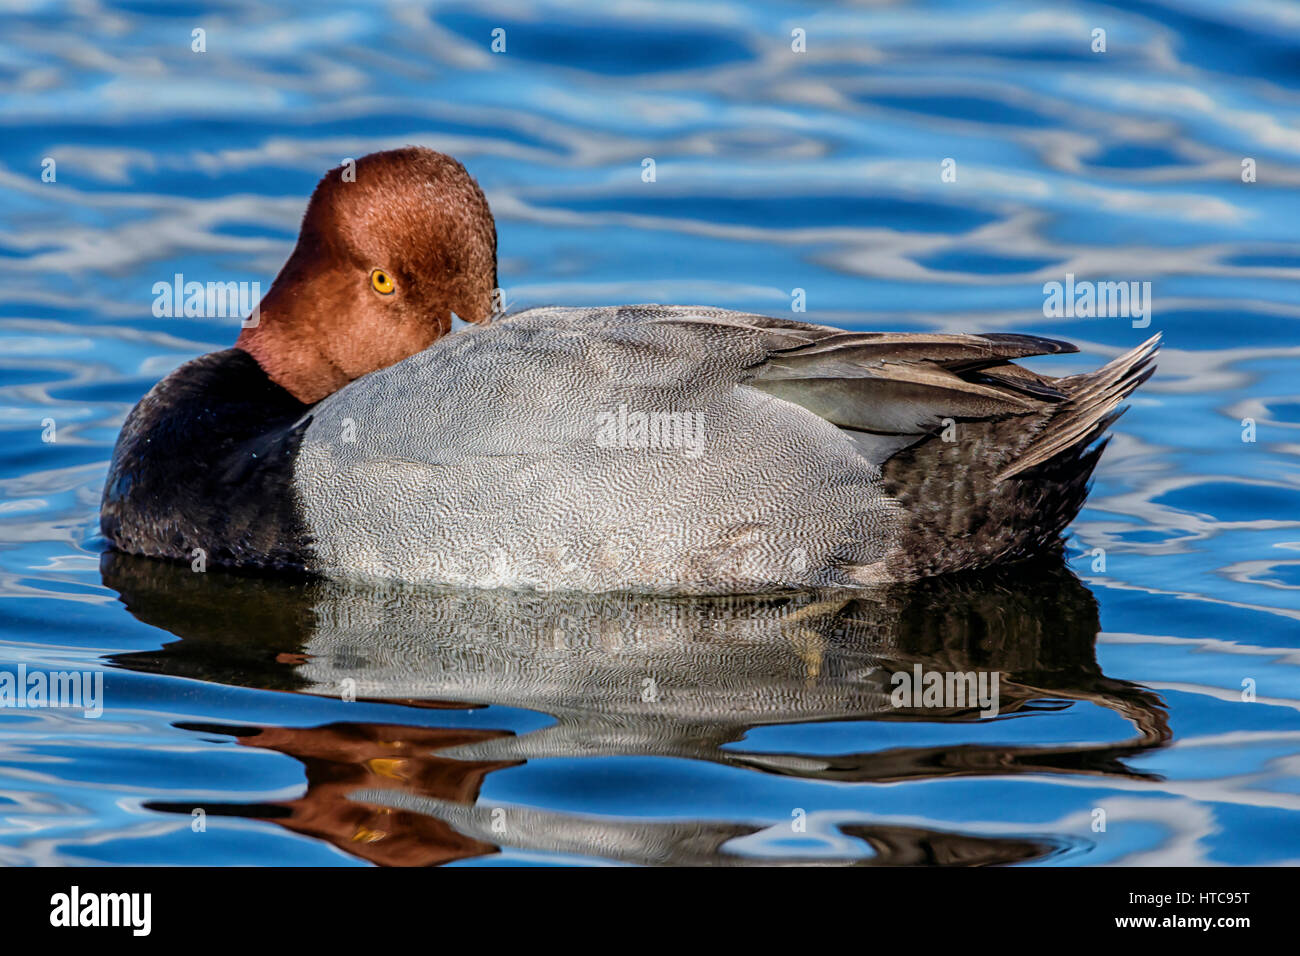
(459, 325)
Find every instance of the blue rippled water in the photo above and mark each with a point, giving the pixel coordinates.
(1150, 707)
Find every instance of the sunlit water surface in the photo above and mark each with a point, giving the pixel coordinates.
(490, 728)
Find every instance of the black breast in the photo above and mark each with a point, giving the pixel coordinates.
(205, 461)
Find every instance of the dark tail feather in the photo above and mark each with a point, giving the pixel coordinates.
(1007, 487)
(1088, 411)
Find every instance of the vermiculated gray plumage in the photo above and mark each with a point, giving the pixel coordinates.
(786, 455)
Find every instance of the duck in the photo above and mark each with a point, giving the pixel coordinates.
(382, 418)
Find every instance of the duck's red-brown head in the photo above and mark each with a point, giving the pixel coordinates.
(380, 265)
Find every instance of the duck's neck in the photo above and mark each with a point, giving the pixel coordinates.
(291, 355)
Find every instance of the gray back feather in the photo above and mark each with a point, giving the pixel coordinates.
(490, 460)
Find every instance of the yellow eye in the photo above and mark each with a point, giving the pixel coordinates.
(382, 282)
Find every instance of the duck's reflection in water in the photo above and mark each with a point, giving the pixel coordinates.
(628, 676)
(341, 759)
